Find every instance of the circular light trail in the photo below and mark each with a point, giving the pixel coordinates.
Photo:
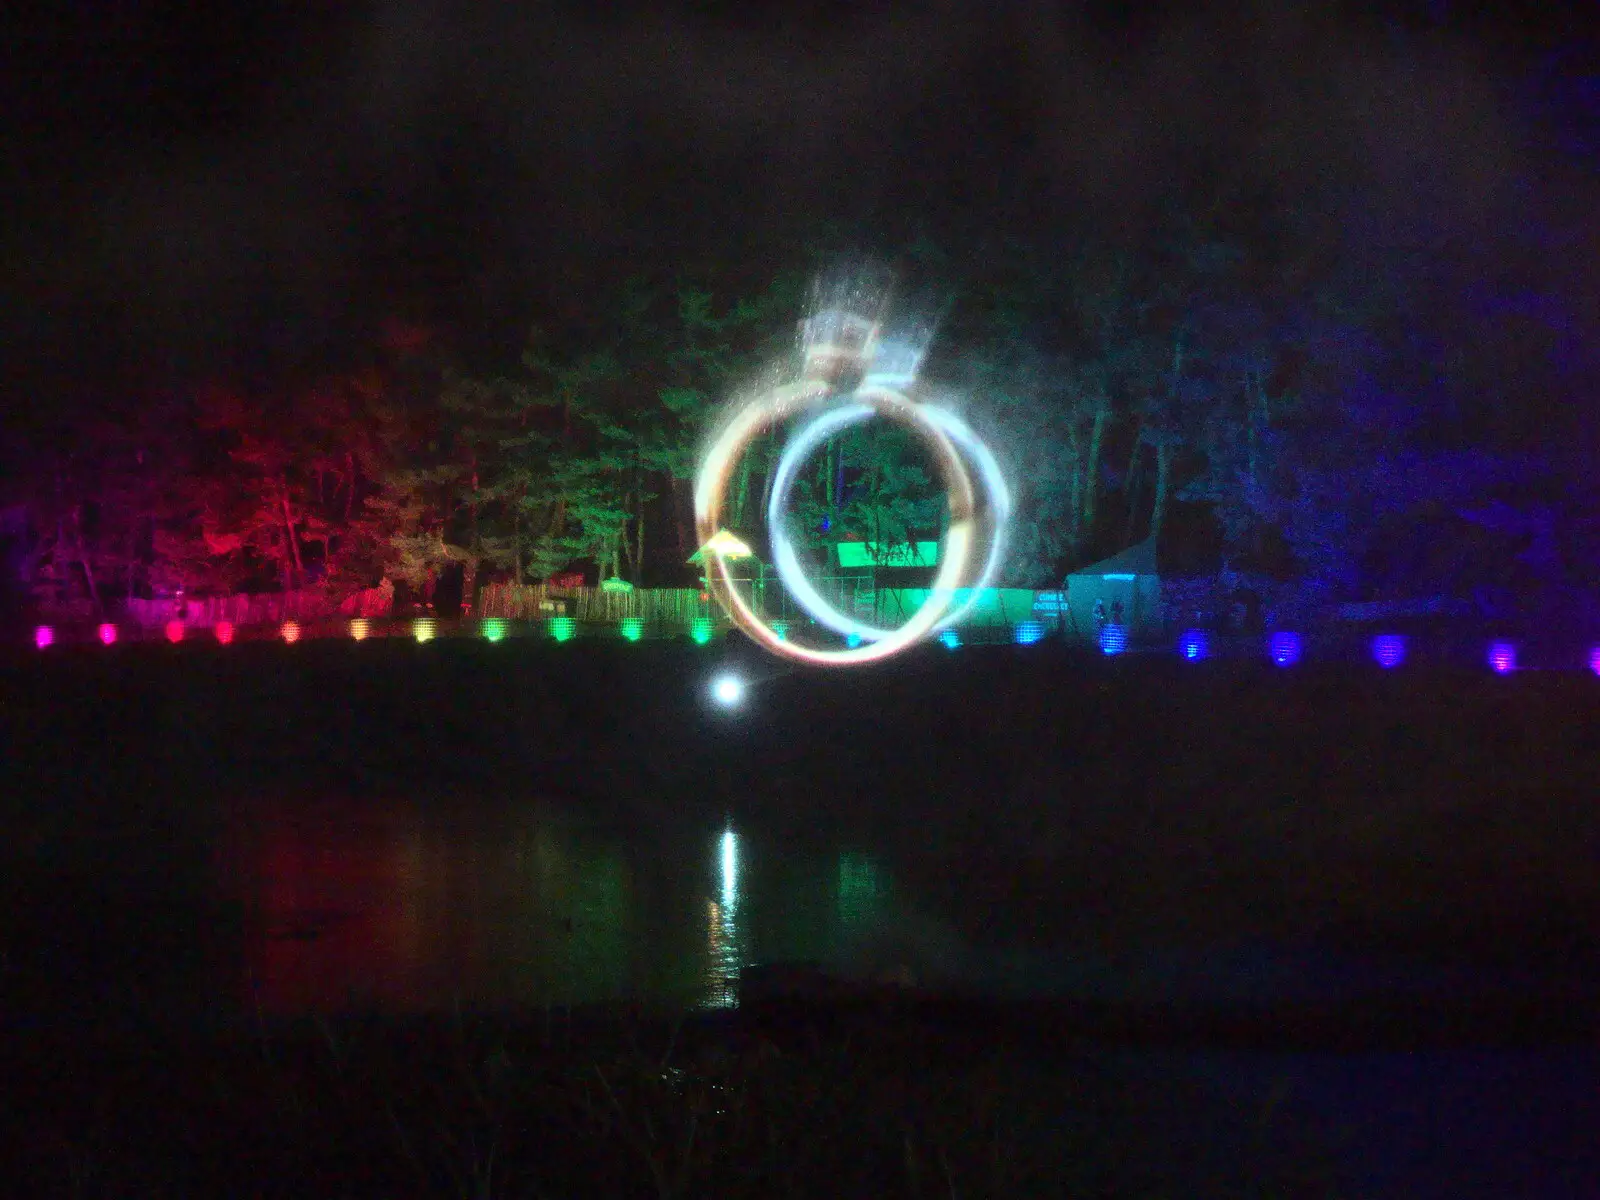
(978, 514)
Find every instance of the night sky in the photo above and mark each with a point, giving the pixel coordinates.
(238, 188)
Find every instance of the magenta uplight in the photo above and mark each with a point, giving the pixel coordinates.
(224, 632)
(1594, 659)
(174, 632)
(1503, 657)
(108, 634)
(1389, 650)
(44, 637)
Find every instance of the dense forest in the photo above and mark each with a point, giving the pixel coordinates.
(1365, 380)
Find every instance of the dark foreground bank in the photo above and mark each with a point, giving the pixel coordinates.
(872, 1096)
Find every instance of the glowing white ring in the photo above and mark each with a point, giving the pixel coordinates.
(777, 405)
(804, 443)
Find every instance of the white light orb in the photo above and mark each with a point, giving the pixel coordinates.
(727, 690)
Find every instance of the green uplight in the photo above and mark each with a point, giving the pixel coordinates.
(493, 629)
(632, 628)
(781, 628)
(700, 630)
(562, 628)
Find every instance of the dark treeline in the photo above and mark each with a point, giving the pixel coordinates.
(1268, 405)
(1350, 366)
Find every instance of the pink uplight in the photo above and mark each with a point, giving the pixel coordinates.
(1503, 657)
(174, 632)
(108, 634)
(290, 632)
(44, 636)
(224, 631)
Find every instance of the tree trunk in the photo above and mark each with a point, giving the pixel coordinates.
(638, 545)
(288, 527)
(1075, 499)
(1135, 479)
(1091, 495)
(1158, 512)
(83, 560)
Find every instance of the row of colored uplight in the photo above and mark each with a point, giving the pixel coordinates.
(1388, 650)
(1283, 648)
(423, 629)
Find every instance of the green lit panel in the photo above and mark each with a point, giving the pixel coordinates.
(902, 554)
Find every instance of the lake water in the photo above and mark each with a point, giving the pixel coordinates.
(400, 908)
(328, 905)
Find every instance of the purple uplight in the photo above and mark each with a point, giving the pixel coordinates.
(1389, 649)
(1503, 657)
(1594, 659)
(44, 636)
(108, 634)
(1284, 648)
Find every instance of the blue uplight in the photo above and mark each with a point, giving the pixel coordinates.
(1194, 645)
(1502, 657)
(1389, 650)
(951, 639)
(1284, 648)
(852, 640)
(1028, 632)
(1113, 639)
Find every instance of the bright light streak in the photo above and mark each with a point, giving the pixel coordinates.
(1502, 657)
(360, 628)
(223, 631)
(44, 637)
(1388, 650)
(729, 859)
(174, 632)
(290, 632)
(727, 690)
(108, 634)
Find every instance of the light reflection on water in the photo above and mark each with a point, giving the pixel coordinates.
(399, 909)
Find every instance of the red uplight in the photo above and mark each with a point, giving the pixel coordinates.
(290, 631)
(174, 632)
(224, 631)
